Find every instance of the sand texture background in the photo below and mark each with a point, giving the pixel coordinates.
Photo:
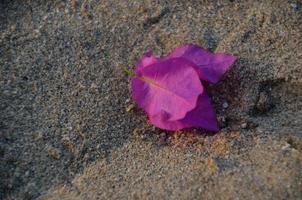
(68, 126)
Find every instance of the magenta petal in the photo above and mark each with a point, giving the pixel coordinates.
(171, 86)
(210, 66)
(203, 116)
(147, 59)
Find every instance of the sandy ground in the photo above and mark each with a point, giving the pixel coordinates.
(68, 126)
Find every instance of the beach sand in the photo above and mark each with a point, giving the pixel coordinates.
(70, 130)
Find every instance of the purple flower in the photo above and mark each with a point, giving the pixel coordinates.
(169, 89)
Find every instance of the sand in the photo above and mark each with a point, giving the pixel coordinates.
(68, 126)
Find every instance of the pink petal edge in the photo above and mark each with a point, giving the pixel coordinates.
(210, 66)
(147, 59)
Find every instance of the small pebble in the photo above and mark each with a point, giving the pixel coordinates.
(37, 136)
(144, 137)
(136, 131)
(162, 139)
(244, 125)
(36, 33)
(263, 104)
(45, 17)
(163, 134)
(295, 6)
(285, 147)
(93, 86)
(13, 27)
(225, 105)
(222, 121)
(54, 153)
(130, 108)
